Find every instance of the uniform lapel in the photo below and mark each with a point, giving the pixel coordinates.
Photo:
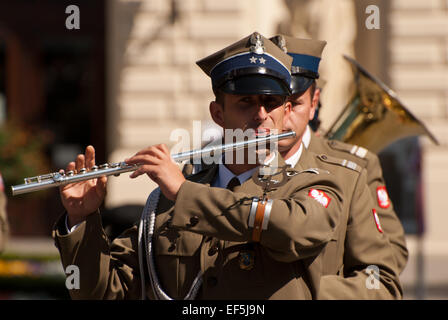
(305, 159)
(208, 175)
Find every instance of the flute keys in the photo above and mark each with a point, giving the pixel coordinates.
(104, 166)
(116, 165)
(82, 170)
(94, 168)
(57, 177)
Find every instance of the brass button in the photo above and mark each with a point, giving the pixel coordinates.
(193, 221)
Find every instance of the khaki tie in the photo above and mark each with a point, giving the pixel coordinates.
(234, 182)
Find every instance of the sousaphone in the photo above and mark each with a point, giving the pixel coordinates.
(374, 117)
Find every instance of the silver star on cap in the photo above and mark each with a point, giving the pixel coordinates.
(253, 59)
(262, 60)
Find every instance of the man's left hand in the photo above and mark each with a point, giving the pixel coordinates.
(157, 163)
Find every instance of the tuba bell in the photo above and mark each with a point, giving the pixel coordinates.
(374, 117)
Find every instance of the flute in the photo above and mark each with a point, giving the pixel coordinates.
(57, 179)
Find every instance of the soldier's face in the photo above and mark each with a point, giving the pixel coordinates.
(251, 112)
(303, 108)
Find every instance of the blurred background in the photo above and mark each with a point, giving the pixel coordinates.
(126, 79)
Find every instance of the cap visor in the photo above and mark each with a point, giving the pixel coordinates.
(300, 84)
(255, 85)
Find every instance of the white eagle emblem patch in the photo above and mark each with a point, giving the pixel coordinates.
(320, 197)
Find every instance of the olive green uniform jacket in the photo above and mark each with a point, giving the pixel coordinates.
(368, 160)
(359, 245)
(207, 229)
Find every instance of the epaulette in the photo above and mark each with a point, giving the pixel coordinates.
(355, 150)
(340, 162)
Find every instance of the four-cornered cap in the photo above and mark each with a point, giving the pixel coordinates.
(253, 65)
(306, 54)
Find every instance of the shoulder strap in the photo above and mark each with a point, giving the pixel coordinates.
(340, 162)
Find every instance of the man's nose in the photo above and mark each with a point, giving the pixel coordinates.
(261, 114)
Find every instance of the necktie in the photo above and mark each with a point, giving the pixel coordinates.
(234, 182)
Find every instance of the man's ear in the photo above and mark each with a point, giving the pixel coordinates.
(217, 113)
(287, 113)
(314, 103)
(288, 107)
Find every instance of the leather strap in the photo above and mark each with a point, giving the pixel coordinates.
(258, 222)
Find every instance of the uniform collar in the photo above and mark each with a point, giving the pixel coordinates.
(225, 175)
(306, 140)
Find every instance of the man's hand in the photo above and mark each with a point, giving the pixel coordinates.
(157, 163)
(82, 198)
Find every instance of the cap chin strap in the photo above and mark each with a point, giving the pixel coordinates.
(299, 71)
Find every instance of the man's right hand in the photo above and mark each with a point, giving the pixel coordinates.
(83, 198)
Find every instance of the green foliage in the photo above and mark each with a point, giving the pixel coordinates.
(21, 153)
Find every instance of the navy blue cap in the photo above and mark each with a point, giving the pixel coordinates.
(253, 65)
(306, 54)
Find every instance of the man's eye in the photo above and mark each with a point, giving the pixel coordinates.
(246, 100)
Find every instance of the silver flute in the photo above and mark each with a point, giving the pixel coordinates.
(57, 179)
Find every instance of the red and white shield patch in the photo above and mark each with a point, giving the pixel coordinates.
(383, 197)
(320, 197)
(377, 221)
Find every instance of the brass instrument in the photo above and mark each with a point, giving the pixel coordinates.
(56, 179)
(375, 117)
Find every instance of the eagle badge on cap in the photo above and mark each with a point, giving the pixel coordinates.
(282, 44)
(257, 43)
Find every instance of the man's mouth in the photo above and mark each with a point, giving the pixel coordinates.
(261, 132)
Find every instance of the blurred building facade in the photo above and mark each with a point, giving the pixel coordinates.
(51, 100)
(418, 71)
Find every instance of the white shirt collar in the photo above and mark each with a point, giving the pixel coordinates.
(292, 160)
(306, 139)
